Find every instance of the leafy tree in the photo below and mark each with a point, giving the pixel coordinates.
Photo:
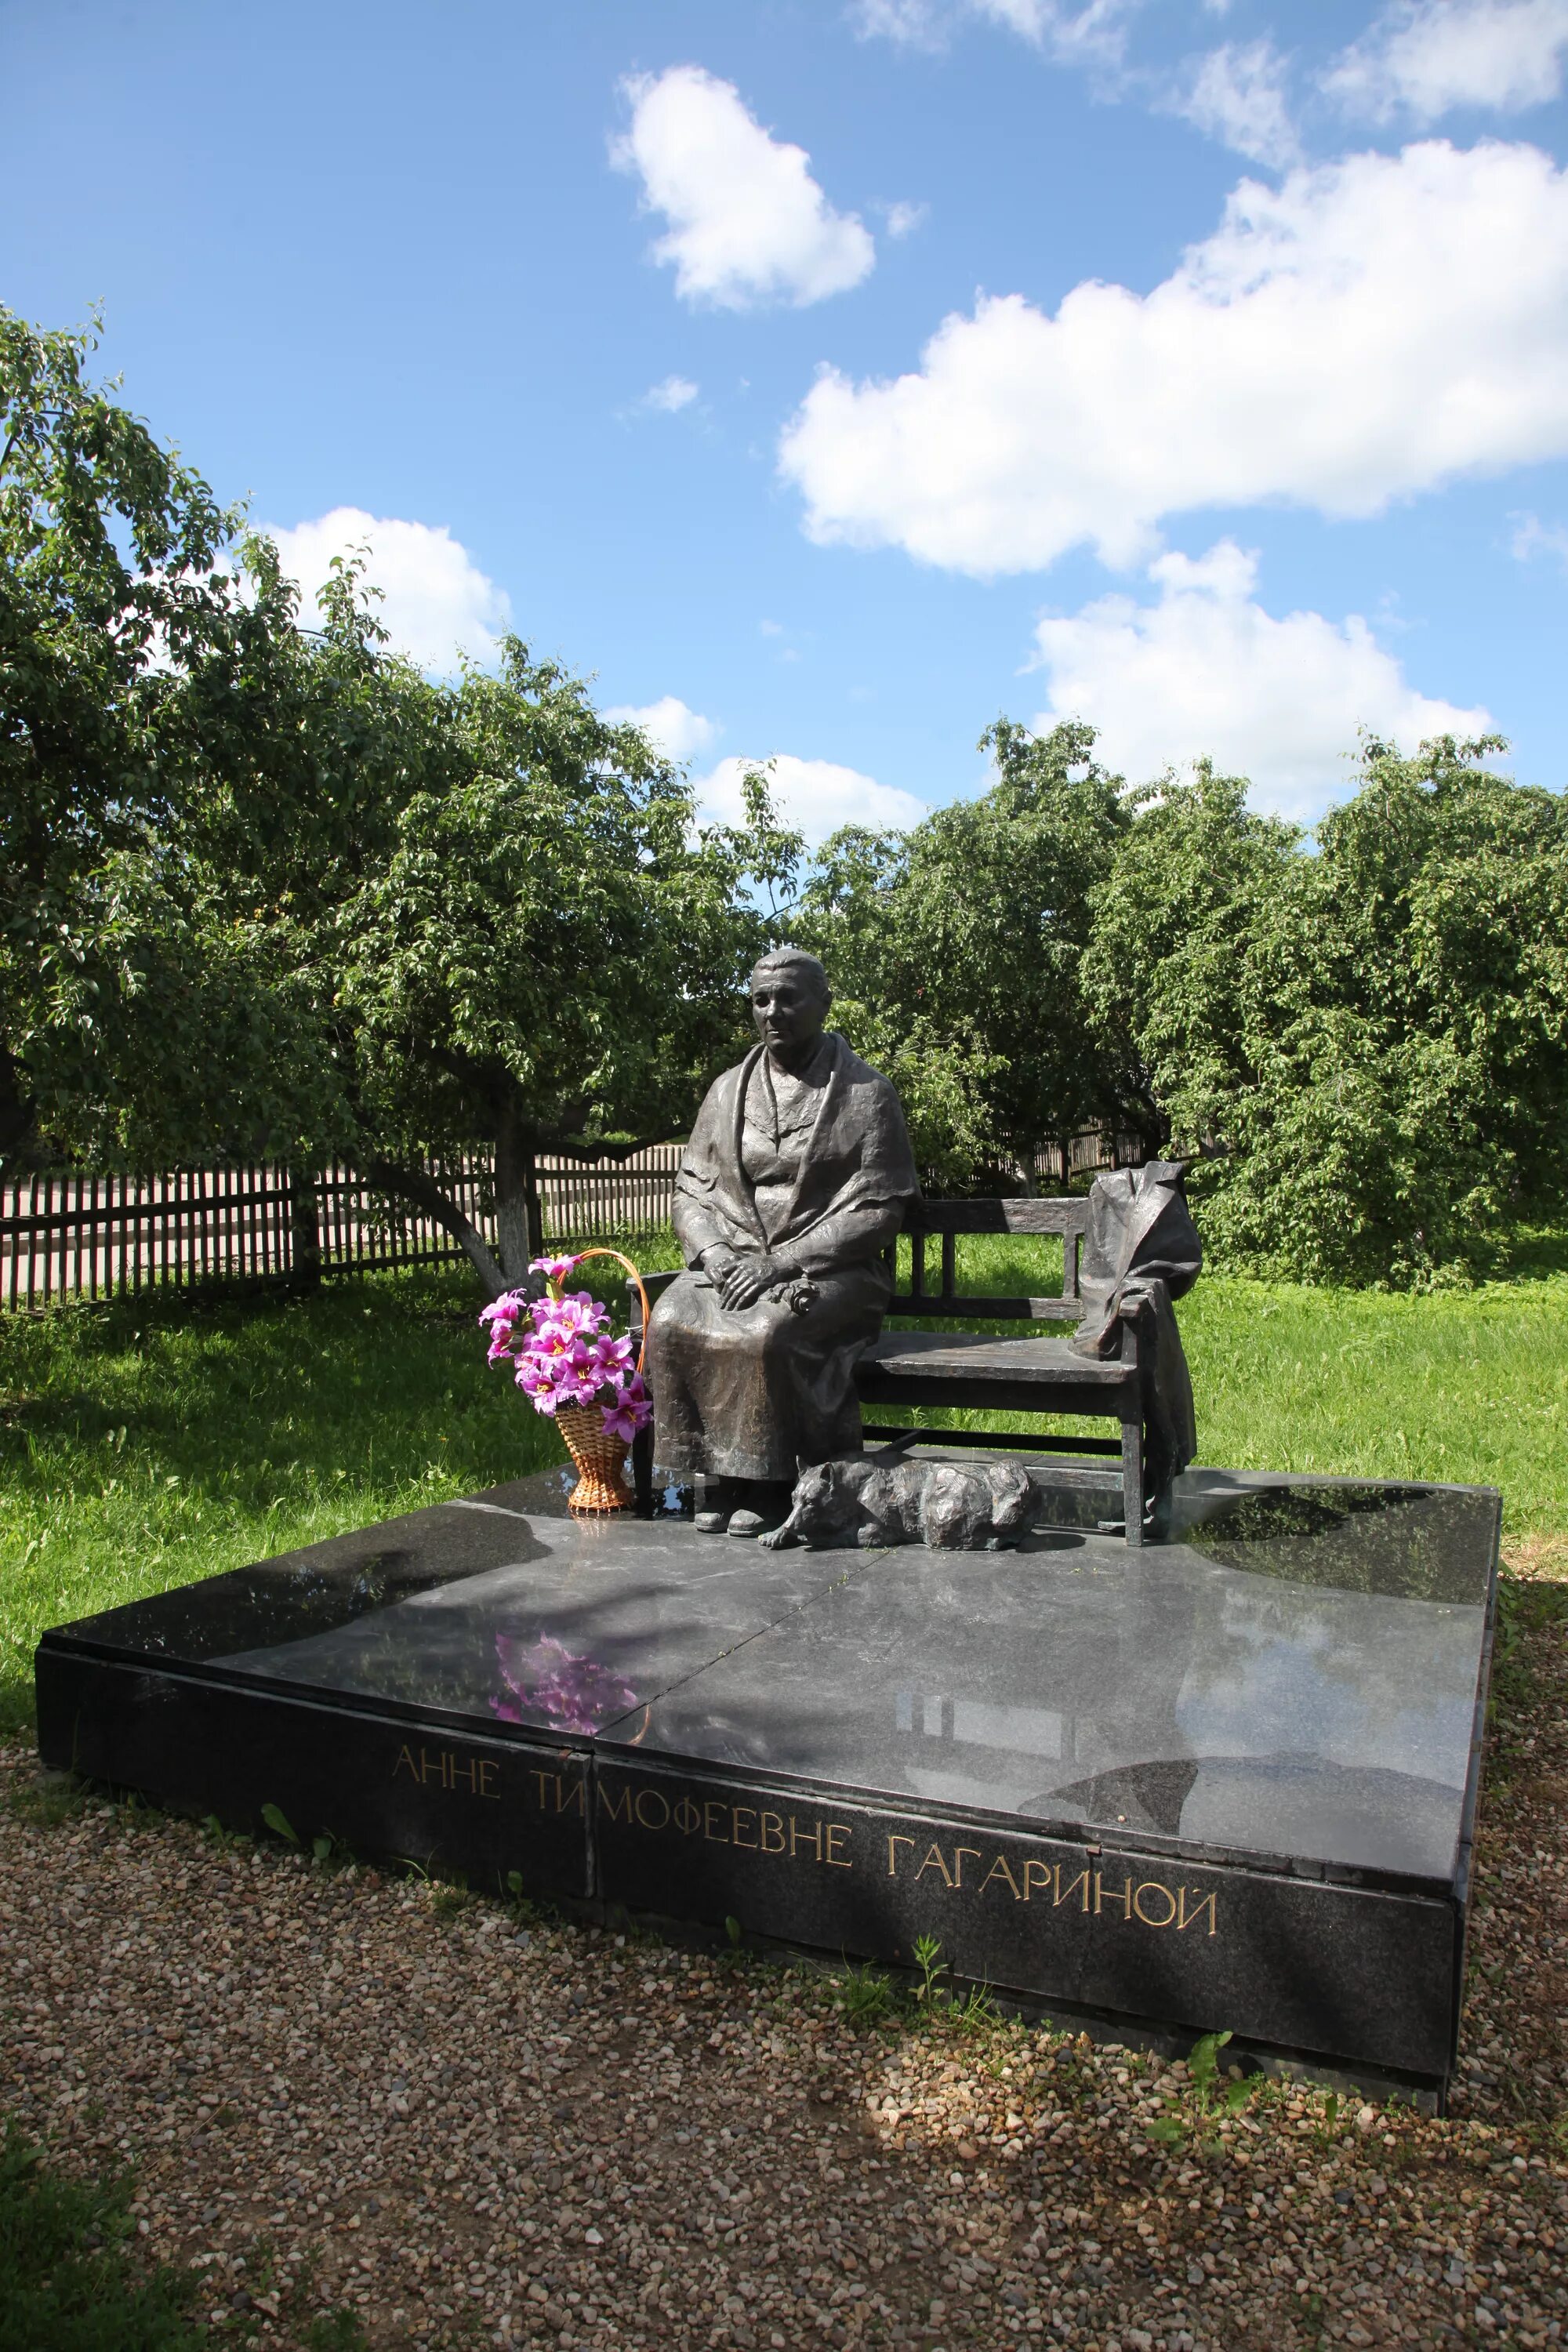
(110, 586)
(271, 892)
(1361, 1034)
(955, 947)
(548, 957)
(275, 893)
(182, 1010)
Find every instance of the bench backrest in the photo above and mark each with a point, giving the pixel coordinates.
(944, 1221)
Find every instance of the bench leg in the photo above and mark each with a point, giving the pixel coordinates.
(642, 1470)
(1133, 1481)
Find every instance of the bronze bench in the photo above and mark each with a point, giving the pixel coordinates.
(986, 1372)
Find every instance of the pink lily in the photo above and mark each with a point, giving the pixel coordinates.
(630, 1411)
(554, 1269)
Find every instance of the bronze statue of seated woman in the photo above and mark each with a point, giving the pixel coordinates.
(791, 1188)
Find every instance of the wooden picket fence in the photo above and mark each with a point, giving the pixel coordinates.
(70, 1236)
(1055, 1166)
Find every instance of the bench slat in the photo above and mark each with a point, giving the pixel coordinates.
(1058, 1216)
(972, 1355)
(996, 1391)
(983, 1306)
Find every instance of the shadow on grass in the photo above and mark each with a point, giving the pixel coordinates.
(232, 1394)
(67, 2283)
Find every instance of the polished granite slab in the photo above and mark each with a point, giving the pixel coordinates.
(1260, 1738)
(1239, 1689)
(500, 1607)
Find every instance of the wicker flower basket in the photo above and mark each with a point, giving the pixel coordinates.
(600, 1459)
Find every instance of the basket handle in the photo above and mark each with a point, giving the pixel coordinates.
(597, 1251)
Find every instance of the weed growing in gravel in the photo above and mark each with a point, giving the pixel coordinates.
(867, 1995)
(1210, 2101)
(450, 1898)
(333, 2331)
(221, 1837)
(929, 1960)
(52, 1799)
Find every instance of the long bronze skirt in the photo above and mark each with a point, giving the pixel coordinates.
(759, 1393)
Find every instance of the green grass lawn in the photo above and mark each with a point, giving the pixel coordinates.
(150, 1442)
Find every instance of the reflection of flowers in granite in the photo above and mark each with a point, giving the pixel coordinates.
(546, 1678)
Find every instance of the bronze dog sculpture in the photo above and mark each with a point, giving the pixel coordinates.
(950, 1507)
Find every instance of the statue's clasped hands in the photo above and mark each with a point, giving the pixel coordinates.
(742, 1281)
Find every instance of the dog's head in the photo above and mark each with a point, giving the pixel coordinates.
(827, 1498)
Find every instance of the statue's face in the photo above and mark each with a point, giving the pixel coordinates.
(788, 1010)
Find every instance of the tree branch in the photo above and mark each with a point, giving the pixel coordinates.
(415, 1184)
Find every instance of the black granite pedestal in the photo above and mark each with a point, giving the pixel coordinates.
(1225, 1781)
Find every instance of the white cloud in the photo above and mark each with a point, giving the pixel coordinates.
(902, 219)
(435, 602)
(914, 24)
(1371, 329)
(1236, 94)
(748, 224)
(1424, 57)
(818, 795)
(1095, 32)
(676, 392)
(1206, 672)
(669, 725)
(1532, 537)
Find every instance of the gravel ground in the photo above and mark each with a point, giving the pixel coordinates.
(345, 2093)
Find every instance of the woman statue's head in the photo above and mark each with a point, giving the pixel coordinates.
(790, 997)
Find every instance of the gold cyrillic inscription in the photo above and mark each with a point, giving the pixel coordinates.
(719, 1823)
(1206, 1902)
(1149, 1901)
(467, 1776)
(1145, 1903)
(1162, 1894)
(570, 1796)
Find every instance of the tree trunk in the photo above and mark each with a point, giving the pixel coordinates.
(16, 1130)
(415, 1184)
(520, 1214)
(304, 1228)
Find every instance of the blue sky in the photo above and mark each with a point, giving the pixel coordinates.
(828, 378)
